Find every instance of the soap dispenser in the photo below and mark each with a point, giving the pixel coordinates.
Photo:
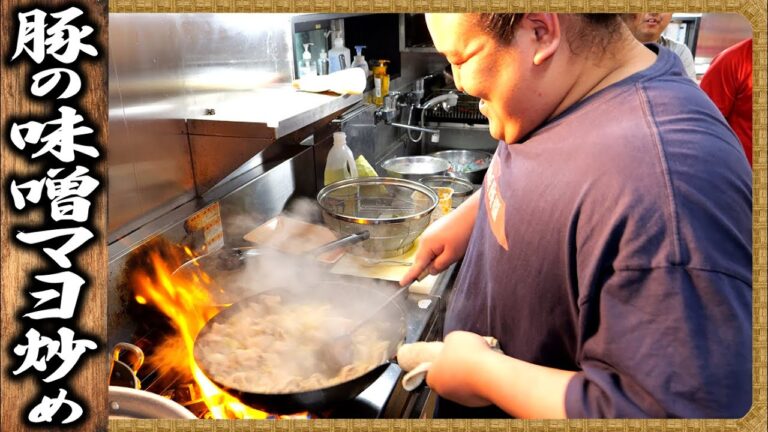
(306, 69)
(359, 60)
(380, 82)
(338, 56)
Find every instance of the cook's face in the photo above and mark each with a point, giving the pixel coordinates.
(647, 27)
(484, 69)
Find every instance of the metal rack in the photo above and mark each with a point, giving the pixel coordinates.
(466, 111)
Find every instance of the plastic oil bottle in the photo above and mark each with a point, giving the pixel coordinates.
(380, 82)
(340, 164)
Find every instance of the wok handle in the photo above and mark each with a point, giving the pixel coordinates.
(344, 241)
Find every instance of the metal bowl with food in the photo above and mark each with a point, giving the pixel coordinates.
(415, 167)
(462, 188)
(394, 211)
(268, 350)
(469, 164)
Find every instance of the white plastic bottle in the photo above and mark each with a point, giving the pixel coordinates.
(338, 56)
(340, 164)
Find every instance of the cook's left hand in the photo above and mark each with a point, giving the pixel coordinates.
(453, 374)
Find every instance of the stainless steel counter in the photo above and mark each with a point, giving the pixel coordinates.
(280, 107)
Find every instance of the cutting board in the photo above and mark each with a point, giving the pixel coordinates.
(357, 266)
(293, 236)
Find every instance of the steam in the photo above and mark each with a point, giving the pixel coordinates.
(280, 265)
(297, 277)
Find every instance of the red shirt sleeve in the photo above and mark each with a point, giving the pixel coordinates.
(719, 83)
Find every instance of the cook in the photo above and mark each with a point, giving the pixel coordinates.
(609, 249)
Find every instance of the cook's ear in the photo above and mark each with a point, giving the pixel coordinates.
(546, 28)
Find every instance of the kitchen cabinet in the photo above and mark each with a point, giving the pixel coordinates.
(378, 32)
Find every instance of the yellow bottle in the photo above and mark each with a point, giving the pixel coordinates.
(380, 82)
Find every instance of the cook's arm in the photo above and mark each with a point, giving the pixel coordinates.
(540, 395)
(445, 241)
(469, 372)
(640, 360)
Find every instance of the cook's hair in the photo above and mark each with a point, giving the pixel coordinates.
(592, 29)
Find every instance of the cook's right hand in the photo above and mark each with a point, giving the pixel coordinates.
(444, 242)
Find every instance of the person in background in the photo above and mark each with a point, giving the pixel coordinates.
(648, 28)
(728, 82)
(609, 250)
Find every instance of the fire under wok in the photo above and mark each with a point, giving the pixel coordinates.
(267, 349)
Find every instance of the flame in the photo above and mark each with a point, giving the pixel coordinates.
(189, 306)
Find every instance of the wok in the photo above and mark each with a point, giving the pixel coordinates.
(345, 297)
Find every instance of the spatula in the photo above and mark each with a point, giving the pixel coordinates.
(338, 352)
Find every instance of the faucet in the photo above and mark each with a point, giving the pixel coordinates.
(447, 100)
(415, 96)
(389, 111)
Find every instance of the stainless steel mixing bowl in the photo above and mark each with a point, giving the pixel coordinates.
(415, 167)
(469, 164)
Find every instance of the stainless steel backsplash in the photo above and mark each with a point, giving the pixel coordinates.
(158, 65)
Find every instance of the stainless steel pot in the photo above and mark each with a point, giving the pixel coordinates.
(128, 403)
(415, 167)
(123, 373)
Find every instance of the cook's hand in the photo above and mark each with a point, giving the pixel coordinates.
(444, 242)
(453, 373)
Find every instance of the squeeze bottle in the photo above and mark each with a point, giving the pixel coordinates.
(380, 82)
